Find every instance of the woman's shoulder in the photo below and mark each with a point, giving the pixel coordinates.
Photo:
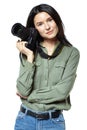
(71, 49)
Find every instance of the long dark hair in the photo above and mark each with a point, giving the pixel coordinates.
(54, 14)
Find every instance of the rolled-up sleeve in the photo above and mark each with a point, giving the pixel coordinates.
(25, 78)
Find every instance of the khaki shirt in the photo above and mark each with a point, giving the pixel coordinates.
(48, 82)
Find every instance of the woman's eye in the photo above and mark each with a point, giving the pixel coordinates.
(50, 19)
(39, 24)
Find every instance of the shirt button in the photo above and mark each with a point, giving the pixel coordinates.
(48, 58)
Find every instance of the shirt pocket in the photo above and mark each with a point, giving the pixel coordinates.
(58, 71)
(60, 65)
(59, 68)
(38, 63)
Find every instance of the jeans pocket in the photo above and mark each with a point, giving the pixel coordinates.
(19, 123)
(59, 122)
(20, 115)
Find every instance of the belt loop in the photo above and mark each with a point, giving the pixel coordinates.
(25, 109)
(26, 112)
(50, 115)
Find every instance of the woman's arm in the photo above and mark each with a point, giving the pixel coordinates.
(26, 73)
(62, 89)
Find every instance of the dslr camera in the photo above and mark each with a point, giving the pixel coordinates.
(26, 34)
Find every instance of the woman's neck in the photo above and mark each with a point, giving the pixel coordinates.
(49, 45)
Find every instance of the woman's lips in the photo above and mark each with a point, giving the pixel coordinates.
(50, 32)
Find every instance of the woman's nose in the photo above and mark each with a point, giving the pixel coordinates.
(47, 26)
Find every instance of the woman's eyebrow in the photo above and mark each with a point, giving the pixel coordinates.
(39, 22)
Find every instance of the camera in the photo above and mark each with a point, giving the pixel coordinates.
(26, 34)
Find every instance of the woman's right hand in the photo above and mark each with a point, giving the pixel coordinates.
(23, 49)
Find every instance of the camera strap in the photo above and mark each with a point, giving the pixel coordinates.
(46, 56)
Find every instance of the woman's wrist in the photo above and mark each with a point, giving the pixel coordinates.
(30, 57)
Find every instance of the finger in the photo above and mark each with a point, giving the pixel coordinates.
(19, 45)
(18, 40)
(24, 43)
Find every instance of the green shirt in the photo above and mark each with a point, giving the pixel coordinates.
(48, 82)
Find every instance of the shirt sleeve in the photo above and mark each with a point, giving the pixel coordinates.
(62, 89)
(25, 78)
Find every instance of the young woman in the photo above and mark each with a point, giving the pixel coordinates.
(47, 75)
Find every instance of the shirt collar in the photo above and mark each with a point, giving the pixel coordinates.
(44, 48)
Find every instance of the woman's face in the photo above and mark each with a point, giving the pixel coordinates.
(45, 25)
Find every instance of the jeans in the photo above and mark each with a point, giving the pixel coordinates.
(26, 122)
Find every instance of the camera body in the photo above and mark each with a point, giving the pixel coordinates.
(26, 34)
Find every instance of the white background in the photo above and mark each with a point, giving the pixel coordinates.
(73, 14)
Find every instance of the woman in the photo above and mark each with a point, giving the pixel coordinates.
(47, 75)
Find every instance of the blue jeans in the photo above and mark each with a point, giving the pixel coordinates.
(26, 122)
